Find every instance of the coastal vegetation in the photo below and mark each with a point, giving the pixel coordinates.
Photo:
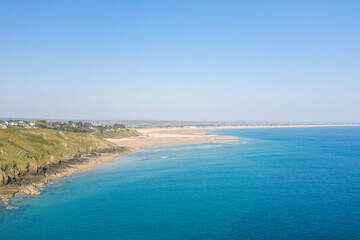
(117, 133)
(26, 151)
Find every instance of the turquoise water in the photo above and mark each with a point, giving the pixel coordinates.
(289, 183)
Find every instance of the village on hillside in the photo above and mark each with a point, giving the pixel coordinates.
(71, 126)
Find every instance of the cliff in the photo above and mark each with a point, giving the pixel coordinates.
(30, 157)
(26, 151)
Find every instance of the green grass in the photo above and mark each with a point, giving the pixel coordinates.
(120, 133)
(21, 147)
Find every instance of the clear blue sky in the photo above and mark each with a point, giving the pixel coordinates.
(181, 60)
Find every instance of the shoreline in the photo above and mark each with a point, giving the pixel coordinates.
(151, 137)
(169, 136)
(34, 184)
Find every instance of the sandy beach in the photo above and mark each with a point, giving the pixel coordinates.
(169, 136)
(187, 135)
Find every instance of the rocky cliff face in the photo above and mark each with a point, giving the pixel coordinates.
(16, 171)
(4, 178)
(25, 152)
(31, 179)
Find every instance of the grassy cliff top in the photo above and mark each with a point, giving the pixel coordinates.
(20, 147)
(41, 145)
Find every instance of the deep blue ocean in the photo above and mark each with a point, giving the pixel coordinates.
(280, 183)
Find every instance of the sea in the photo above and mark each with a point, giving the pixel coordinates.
(273, 183)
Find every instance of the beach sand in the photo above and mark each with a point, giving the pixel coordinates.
(187, 135)
(169, 136)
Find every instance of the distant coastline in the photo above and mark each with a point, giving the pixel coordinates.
(151, 137)
(249, 126)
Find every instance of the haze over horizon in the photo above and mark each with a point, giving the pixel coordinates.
(181, 60)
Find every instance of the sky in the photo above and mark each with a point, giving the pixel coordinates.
(180, 60)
